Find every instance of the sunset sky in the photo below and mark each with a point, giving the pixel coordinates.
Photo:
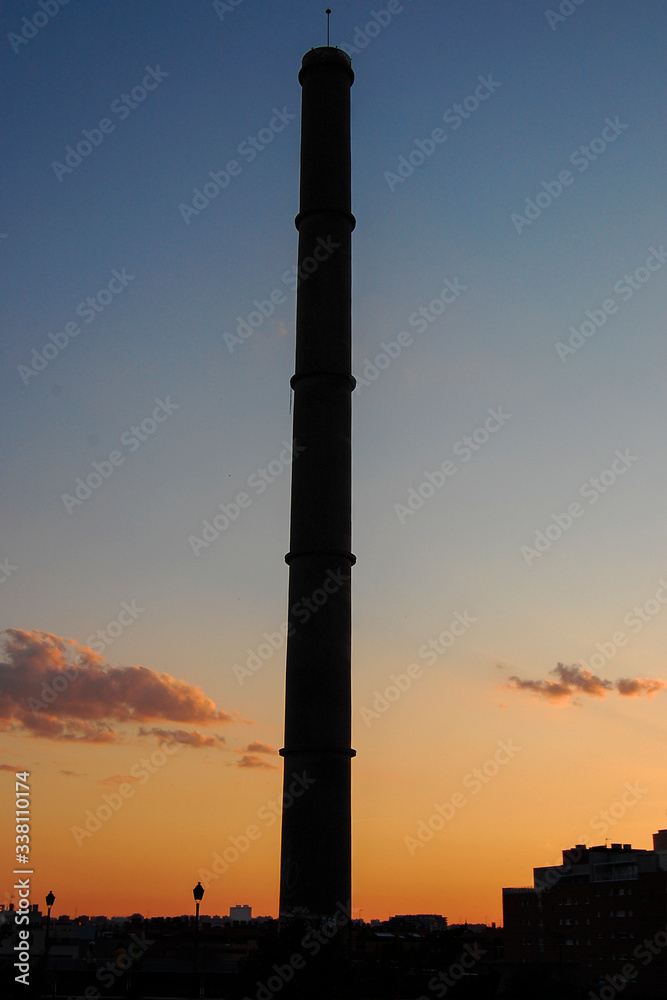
(510, 460)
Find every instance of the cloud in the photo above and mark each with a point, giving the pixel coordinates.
(73, 774)
(640, 685)
(573, 681)
(250, 760)
(8, 767)
(257, 747)
(116, 779)
(189, 738)
(239, 718)
(57, 689)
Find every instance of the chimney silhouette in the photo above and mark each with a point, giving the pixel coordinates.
(315, 876)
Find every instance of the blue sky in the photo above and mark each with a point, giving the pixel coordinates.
(159, 336)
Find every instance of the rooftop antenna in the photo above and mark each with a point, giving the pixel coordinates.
(328, 13)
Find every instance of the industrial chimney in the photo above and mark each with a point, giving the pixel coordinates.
(315, 880)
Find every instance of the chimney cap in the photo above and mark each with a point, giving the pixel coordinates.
(323, 55)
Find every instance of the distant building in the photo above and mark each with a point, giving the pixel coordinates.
(603, 911)
(425, 922)
(240, 913)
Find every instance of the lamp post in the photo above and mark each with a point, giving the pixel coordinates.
(50, 900)
(198, 893)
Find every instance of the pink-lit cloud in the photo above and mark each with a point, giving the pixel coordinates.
(573, 680)
(631, 688)
(57, 689)
(257, 747)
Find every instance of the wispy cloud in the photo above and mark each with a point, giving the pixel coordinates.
(573, 680)
(251, 755)
(188, 738)
(252, 760)
(115, 779)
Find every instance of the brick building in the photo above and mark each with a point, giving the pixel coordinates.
(603, 912)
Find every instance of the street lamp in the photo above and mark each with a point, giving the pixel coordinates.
(198, 893)
(50, 900)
